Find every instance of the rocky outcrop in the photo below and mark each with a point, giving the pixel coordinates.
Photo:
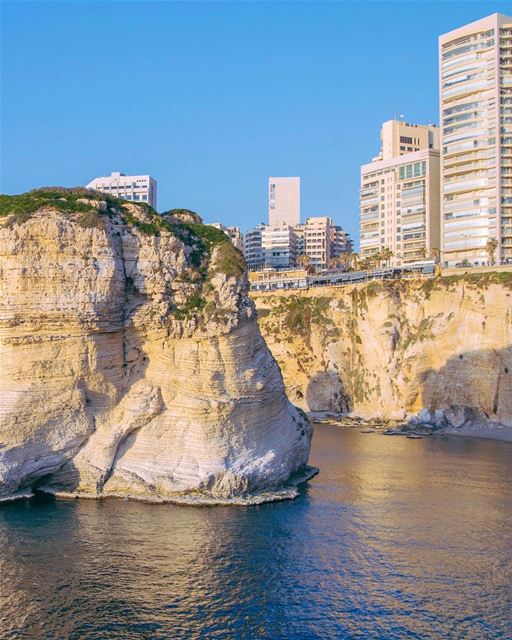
(435, 351)
(131, 359)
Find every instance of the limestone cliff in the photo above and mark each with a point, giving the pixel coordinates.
(131, 359)
(392, 349)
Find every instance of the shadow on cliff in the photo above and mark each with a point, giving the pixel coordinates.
(480, 381)
(326, 392)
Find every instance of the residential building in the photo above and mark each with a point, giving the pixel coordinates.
(317, 241)
(233, 233)
(300, 240)
(340, 241)
(475, 75)
(283, 201)
(279, 246)
(399, 198)
(253, 248)
(134, 188)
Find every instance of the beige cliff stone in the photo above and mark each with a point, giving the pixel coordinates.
(390, 349)
(132, 363)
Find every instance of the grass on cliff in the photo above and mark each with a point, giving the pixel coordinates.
(297, 315)
(184, 224)
(24, 205)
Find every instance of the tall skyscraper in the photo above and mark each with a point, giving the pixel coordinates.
(399, 199)
(283, 201)
(133, 188)
(475, 72)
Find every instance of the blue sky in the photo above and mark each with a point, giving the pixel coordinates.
(211, 98)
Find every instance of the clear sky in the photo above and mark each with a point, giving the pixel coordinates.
(211, 98)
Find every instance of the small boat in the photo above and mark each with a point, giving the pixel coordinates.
(367, 431)
(415, 436)
(394, 432)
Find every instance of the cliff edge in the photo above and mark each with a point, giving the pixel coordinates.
(431, 351)
(131, 360)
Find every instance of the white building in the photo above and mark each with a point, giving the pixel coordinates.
(133, 188)
(279, 246)
(253, 248)
(283, 201)
(475, 76)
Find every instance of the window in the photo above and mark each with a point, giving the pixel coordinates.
(405, 140)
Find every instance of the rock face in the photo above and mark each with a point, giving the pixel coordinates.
(437, 349)
(132, 363)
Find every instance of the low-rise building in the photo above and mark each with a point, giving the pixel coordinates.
(270, 279)
(132, 188)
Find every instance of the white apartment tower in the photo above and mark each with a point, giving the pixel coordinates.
(399, 198)
(475, 72)
(283, 201)
(133, 188)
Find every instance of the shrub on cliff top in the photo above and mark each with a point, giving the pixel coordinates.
(184, 224)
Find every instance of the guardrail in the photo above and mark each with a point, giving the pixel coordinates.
(341, 278)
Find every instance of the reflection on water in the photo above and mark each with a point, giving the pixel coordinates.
(394, 539)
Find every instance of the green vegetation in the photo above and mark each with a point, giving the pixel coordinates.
(70, 201)
(478, 280)
(298, 314)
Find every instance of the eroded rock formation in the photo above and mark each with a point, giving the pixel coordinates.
(438, 349)
(131, 361)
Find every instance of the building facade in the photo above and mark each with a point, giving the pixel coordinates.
(279, 246)
(253, 248)
(340, 242)
(475, 72)
(399, 198)
(317, 241)
(133, 188)
(283, 201)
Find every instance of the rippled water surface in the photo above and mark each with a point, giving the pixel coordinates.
(395, 538)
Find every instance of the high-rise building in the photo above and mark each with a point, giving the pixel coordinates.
(279, 246)
(253, 248)
(475, 73)
(399, 198)
(283, 201)
(233, 233)
(133, 188)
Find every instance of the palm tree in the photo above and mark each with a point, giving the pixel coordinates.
(385, 255)
(435, 253)
(354, 260)
(345, 260)
(303, 261)
(491, 247)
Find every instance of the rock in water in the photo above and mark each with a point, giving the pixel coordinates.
(132, 363)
